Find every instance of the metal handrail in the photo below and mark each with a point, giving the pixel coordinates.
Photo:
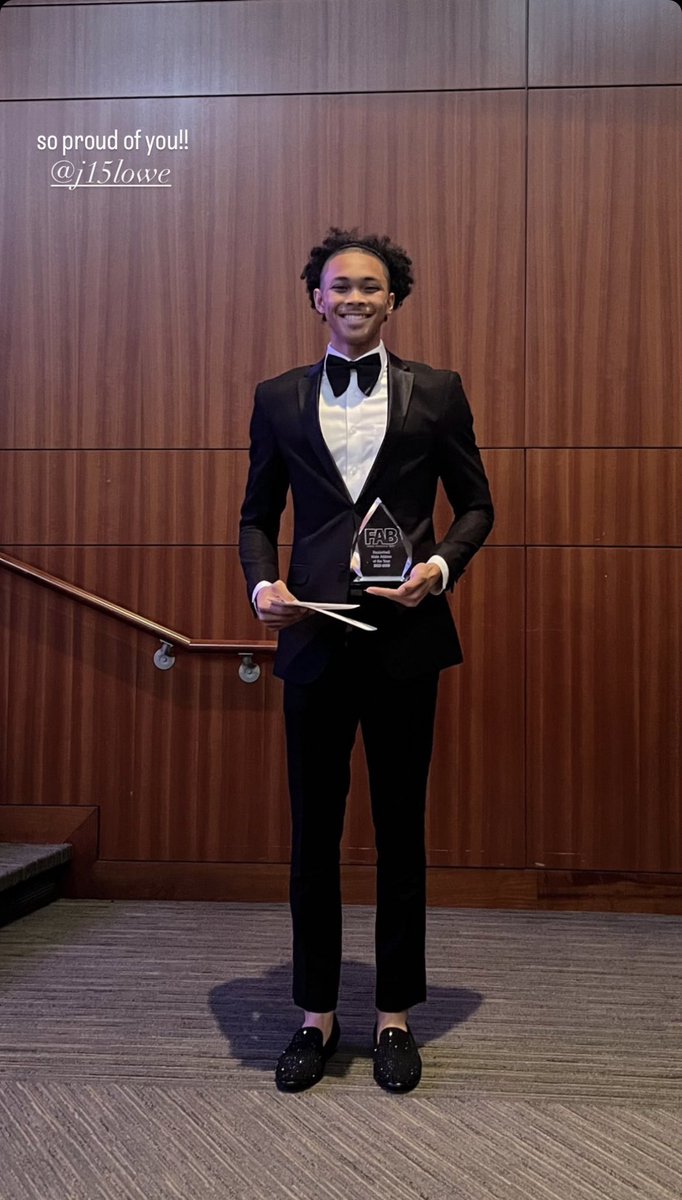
(249, 671)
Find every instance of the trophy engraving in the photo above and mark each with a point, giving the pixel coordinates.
(381, 553)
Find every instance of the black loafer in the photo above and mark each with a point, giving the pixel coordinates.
(397, 1065)
(302, 1063)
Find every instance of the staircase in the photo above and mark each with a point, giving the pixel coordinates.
(30, 876)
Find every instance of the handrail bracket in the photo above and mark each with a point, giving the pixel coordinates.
(249, 671)
(164, 658)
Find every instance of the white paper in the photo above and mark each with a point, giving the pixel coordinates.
(317, 604)
(328, 610)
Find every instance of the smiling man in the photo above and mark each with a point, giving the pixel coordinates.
(360, 425)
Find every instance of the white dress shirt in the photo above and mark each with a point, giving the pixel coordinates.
(354, 426)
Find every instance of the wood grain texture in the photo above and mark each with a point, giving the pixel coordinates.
(272, 46)
(505, 471)
(604, 332)
(209, 769)
(172, 497)
(67, 700)
(477, 783)
(475, 813)
(604, 694)
(145, 319)
(110, 497)
(171, 758)
(451, 887)
(604, 497)
(609, 891)
(604, 42)
(199, 590)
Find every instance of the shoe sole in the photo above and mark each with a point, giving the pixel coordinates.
(297, 1087)
(398, 1087)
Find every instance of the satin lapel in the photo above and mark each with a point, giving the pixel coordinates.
(400, 383)
(308, 399)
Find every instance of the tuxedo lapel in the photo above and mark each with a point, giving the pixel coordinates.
(308, 400)
(400, 383)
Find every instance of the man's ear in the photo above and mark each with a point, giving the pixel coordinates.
(317, 297)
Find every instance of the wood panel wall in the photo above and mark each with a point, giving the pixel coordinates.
(528, 155)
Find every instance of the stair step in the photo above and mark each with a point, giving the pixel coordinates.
(20, 861)
(30, 877)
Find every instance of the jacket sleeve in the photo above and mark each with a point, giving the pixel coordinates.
(464, 480)
(264, 500)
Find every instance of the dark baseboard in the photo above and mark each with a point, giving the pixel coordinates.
(244, 882)
(456, 887)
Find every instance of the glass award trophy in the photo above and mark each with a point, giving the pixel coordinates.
(381, 554)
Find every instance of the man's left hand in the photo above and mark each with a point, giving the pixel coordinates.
(423, 578)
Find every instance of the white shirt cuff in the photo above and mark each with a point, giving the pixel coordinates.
(444, 570)
(259, 588)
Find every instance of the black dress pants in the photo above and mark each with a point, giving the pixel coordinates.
(396, 718)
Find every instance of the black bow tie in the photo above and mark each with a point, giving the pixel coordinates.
(338, 372)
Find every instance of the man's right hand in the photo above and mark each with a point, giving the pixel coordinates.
(273, 611)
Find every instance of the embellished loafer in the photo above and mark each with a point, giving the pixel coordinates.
(397, 1065)
(302, 1064)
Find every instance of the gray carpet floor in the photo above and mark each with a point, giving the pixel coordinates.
(138, 1041)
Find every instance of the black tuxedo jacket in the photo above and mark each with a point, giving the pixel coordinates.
(429, 435)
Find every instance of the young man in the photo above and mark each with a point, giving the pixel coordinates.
(358, 426)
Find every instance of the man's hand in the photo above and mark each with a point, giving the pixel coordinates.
(271, 609)
(423, 578)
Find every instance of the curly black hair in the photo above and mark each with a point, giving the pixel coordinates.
(395, 259)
